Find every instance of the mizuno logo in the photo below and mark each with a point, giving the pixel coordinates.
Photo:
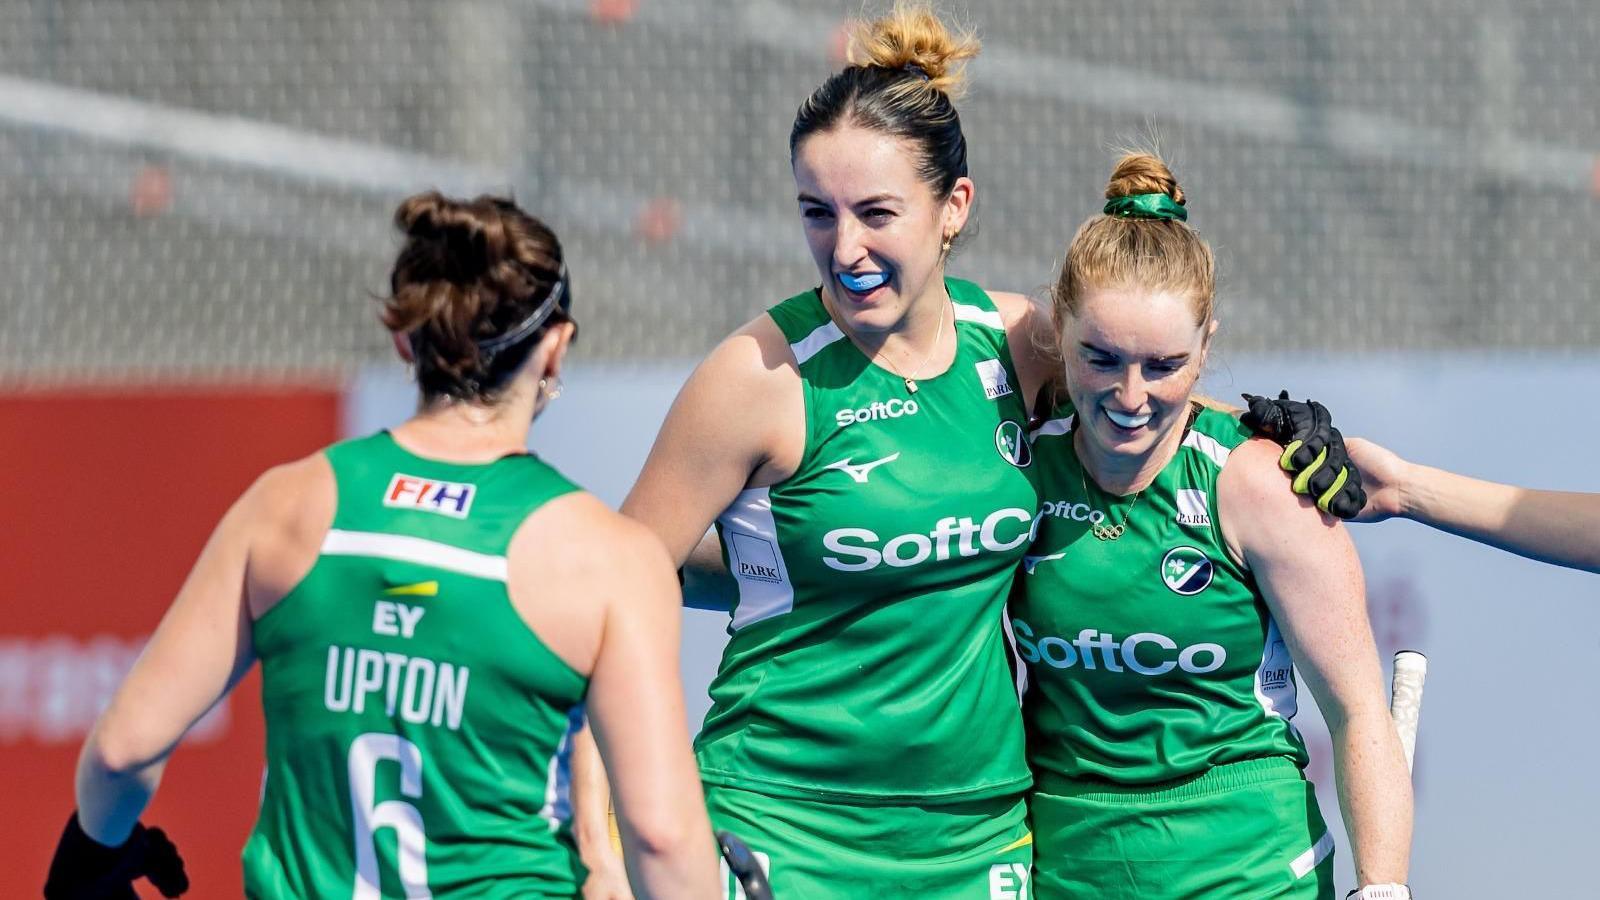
(420, 589)
(1029, 563)
(860, 472)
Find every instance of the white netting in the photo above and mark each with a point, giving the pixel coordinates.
(195, 187)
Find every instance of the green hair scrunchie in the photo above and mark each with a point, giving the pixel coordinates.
(1146, 206)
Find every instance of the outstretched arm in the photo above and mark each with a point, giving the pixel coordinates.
(1561, 528)
(1312, 582)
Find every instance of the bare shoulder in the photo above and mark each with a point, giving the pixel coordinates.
(1019, 310)
(1257, 504)
(1252, 475)
(576, 546)
(742, 411)
(756, 354)
(572, 563)
(288, 488)
(744, 377)
(577, 536)
(286, 514)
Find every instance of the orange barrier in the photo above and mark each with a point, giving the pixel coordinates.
(108, 498)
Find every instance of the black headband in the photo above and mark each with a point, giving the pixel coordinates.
(560, 295)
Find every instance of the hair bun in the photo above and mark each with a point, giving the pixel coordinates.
(458, 232)
(1142, 172)
(912, 35)
(469, 271)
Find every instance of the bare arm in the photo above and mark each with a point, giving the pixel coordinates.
(738, 421)
(598, 590)
(725, 429)
(200, 650)
(1561, 528)
(591, 808)
(1312, 582)
(707, 583)
(636, 707)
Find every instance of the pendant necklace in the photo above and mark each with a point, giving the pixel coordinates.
(1103, 531)
(1112, 532)
(938, 334)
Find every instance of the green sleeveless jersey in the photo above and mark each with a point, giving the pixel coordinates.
(867, 660)
(417, 731)
(1151, 656)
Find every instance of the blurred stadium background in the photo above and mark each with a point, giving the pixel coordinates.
(194, 213)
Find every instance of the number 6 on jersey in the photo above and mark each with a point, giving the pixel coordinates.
(365, 753)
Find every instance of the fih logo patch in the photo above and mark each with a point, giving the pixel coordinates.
(448, 498)
(992, 373)
(1187, 570)
(1013, 444)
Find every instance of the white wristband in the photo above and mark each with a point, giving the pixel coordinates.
(1381, 892)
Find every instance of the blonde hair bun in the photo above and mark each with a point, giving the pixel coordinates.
(912, 34)
(1142, 172)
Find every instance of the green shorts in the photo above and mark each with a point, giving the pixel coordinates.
(821, 850)
(1247, 830)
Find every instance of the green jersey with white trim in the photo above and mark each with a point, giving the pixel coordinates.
(1151, 656)
(417, 730)
(868, 661)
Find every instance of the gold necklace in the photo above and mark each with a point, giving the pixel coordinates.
(938, 336)
(1112, 532)
(1103, 531)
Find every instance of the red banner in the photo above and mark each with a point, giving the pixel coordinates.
(108, 499)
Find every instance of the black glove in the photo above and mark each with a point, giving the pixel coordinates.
(1313, 451)
(85, 869)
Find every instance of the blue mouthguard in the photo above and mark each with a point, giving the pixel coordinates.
(865, 283)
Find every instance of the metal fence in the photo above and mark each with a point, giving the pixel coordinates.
(201, 188)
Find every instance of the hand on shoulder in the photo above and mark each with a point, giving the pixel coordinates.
(1257, 505)
(1031, 338)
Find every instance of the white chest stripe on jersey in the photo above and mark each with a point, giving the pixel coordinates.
(414, 549)
(1208, 447)
(861, 471)
(965, 313)
(812, 344)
